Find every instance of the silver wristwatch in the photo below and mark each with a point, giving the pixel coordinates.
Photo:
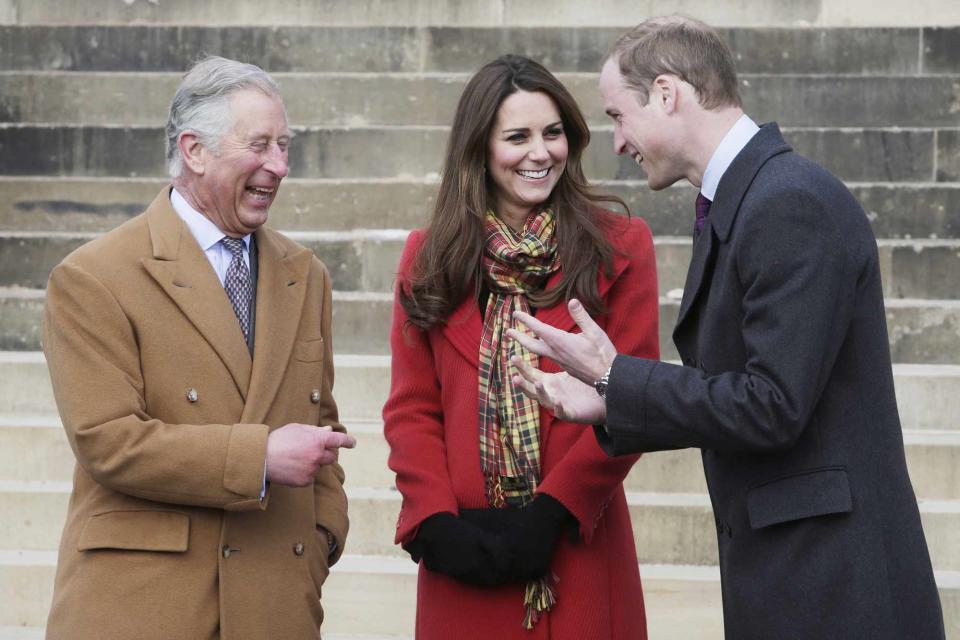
(601, 384)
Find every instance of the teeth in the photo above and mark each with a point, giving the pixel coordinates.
(262, 190)
(534, 174)
(638, 158)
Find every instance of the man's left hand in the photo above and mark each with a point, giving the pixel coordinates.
(585, 356)
(568, 398)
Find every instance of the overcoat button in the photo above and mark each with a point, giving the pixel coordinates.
(226, 551)
(315, 396)
(192, 395)
(298, 549)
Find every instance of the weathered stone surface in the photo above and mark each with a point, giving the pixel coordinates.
(574, 13)
(922, 270)
(941, 49)
(948, 153)
(294, 48)
(81, 151)
(911, 211)
(924, 333)
(28, 261)
(853, 101)
(233, 12)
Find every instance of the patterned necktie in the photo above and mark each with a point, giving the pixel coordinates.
(703, 209)
(237, 283)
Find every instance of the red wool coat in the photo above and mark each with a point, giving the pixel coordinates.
(431, 423)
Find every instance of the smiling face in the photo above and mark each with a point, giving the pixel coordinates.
(237, 184)
(642, 131)
(526, 156)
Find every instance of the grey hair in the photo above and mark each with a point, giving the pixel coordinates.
(200, 103)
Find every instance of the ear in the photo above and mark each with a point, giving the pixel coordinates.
(192, 152)
(665, 90)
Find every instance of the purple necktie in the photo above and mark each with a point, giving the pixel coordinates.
(703, 209)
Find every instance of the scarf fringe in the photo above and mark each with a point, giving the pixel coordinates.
(538, 598)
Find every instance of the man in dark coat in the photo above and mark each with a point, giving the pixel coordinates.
(786, 383)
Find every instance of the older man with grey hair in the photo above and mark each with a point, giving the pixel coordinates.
(190, 354)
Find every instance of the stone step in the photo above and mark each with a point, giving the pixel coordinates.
(682, 602)
(366, 260)
(920, 331)
(35, 448)
(896, 210)
(407, 49)
(668, 528)
(143, 99)
(928, 395)
(615, 13)
(853, 154)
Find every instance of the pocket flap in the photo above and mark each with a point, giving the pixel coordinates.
(136, 530)
(812, 493)
(309, 350)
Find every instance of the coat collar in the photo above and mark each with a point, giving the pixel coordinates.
(767, 143)
(180, 267)
(465, 326)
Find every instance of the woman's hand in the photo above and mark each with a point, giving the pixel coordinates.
(460, 549)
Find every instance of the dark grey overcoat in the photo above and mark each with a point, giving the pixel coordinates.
(787, 388)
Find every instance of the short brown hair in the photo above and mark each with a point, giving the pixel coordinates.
(681, 46)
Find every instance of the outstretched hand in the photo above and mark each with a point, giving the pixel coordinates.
(565, 396)
(586, 356)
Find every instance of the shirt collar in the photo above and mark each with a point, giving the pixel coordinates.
(732, 144)
(206, 233)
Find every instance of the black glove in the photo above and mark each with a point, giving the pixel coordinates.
(459, 549)
(532, 533)
(534, 539)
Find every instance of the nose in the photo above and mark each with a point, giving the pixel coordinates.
(619, 144)
(277, 161)
(538, 151)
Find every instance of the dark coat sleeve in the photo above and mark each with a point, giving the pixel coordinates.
(795, 269)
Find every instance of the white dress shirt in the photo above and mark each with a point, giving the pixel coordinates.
(733, 143)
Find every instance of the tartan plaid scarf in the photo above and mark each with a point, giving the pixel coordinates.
(513, 265)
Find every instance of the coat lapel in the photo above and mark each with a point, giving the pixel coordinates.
(183, 271)
(281, 288)
(734, 184)
(463, 330)
(703, 249)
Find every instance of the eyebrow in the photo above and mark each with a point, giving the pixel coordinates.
(524, 129)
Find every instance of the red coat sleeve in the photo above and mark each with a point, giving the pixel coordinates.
(413, 417)
(586, 478)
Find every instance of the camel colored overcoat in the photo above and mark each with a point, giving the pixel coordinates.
(166, 535)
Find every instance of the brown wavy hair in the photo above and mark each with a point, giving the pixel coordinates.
(447, 266)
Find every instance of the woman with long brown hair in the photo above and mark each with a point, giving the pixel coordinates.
(519, 521)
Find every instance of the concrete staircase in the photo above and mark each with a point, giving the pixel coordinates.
(370, 87)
